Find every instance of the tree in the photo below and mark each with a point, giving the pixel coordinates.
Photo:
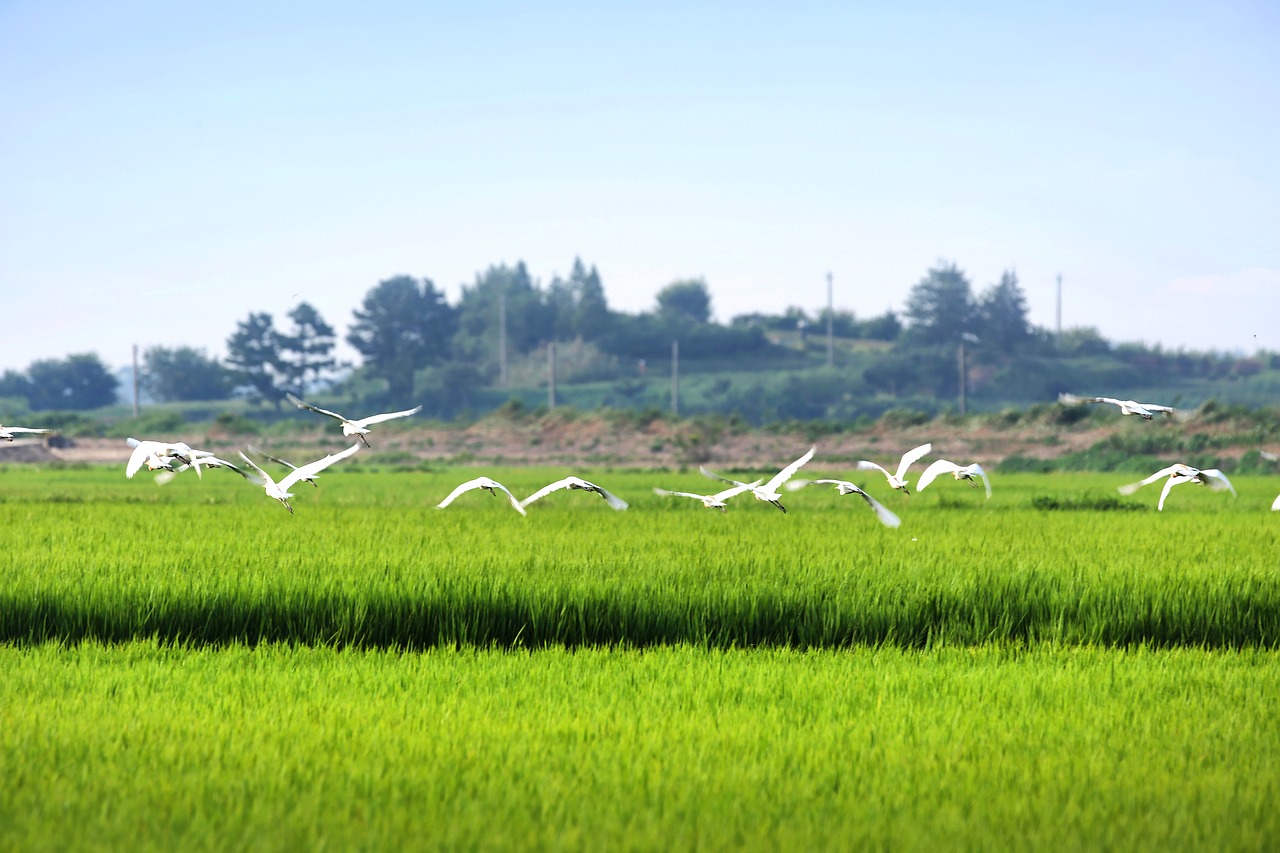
(253, 355)
(529, 318)
(402, 326)
(940, 307)
(307, 353)
(886, 327)
(1002, 316)
(78, 382)
(184, 374)
(14, 384)
(686, 299)
(591, 310)
(577, 304)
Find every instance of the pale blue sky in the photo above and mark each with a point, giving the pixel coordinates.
(165, 169)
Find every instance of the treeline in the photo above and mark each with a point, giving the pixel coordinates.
(414, 345)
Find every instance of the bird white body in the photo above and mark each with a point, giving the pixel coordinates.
(898, 479)
(8, 433)
(844, 487)
(1179, 474)
(1146, 411)
(280, 491)
(157, 455)
(960, 472)
(489, 485)
(578, 484)
(1275, 505)
(716, 501)
(769, 491)
(351, 426)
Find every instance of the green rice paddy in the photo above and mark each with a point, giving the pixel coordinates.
(190, 667)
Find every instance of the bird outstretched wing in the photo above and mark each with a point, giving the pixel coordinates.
(910, 457)
(319, 411)
(377, 419)
(612, 499)
(667, 493)
(1217, 480)
(736, 490)
(1130, 488)
(787, 473)
(712, 475)
(868, 465)
(938, 466)
(313, 468)
(886, 516)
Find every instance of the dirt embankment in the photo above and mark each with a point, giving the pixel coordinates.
(593, 441)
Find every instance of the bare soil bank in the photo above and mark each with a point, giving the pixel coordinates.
(593, 441)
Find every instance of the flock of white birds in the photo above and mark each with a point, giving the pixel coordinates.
(172, 458)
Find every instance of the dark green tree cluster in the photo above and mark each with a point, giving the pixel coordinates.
(267, 362)
(413, 343)
(947, 322)
(184, 373)
(75, 382)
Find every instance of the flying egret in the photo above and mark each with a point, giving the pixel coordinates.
(280, 491)
(358, 428)
(844, 487)
(1146, 411)
(769, 491)
(209, 461)
(1179, 474)
(8, 433)
(579, 484)
(716, 501)
(898, 479)
(276, 459)
(960, 472)
(157, 455)
(489, 486)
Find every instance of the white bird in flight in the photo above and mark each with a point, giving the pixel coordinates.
(280, 491)
(350, 427)
(490, 486)
(844, 487)
(898, 479)
(286, 463)
(1146, 411)
(579, 484)
(960, 472)
(716, 501)
(769, 491)
(1179, 474)
(8, 433)
(159, 455)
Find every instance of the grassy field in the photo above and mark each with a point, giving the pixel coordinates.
(190, 667)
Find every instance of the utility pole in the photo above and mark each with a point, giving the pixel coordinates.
(831, 311)
(135, 380)
(551, 376)
(502, 338)
(965, 337)
(675, 377)
(1059, 335)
